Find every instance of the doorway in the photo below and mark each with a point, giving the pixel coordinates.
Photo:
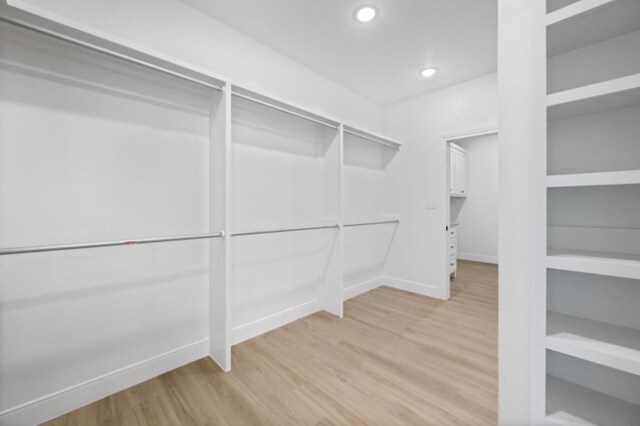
(472, 200)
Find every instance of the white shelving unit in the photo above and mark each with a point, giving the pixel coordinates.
(278, 186)
(592, 263)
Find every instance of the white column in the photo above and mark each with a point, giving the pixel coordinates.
(521, 86)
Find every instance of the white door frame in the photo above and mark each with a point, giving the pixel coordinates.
(448, 139)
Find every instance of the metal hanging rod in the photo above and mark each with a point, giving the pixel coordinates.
(61, 247)
(286, 111)
(106, 51)
(277, 231)
(382, 222)
(372, 139)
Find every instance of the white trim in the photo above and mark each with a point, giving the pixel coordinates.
(478, 258)
(414, 287)
(271, 322)
(60, 402)
(473, 133)
(363, 287)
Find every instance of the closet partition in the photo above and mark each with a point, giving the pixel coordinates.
(369, 228)
(285, 241)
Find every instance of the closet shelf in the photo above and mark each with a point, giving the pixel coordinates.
(601, 343)
(372, 137)
(599, 97)
(575, 9)
(34, 18)
(588, 22)
(572, 404)
(592, 262)
(628, 177)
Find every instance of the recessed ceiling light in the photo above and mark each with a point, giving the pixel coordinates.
(428, 72)
(366, 13)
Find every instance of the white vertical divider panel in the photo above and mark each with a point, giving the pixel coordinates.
(330, 296)
(219, 215)
(521, 52)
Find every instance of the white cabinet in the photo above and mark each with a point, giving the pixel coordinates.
(453, 249)
(458, 174)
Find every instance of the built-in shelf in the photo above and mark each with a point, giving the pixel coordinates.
(283, 107)
(608, 95)
(372, 137)
(571, 404)
(601, 343)
(627, 177)
(589, 22)
(592, 262)
(575, 9)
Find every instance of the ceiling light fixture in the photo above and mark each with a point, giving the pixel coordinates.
(366, 13)
(428, 72)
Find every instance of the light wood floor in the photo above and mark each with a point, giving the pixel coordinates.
(395, 359)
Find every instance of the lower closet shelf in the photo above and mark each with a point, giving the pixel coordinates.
(592, 262)
(571, 404)
(605, 344)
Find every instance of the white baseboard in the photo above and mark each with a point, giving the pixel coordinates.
(271, 322)
(358, 289)
(413, 287)
(478, 258)
(76, 396)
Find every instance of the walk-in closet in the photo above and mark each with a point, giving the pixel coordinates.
(291, 212)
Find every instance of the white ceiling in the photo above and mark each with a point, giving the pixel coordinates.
(382, 59)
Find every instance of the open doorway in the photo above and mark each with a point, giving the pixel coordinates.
(472, 207)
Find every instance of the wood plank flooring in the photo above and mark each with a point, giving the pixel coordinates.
(394, 359)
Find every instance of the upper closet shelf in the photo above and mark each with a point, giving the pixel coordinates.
(605, 344)
(31, 17)
(284, 107)
(588, 22)
(574, 9)
(372, 137)
(630, 177)
(599, 263)
(609, 95)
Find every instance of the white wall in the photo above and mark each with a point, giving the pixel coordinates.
(477, 214)
(419, 173)
(176, 29)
